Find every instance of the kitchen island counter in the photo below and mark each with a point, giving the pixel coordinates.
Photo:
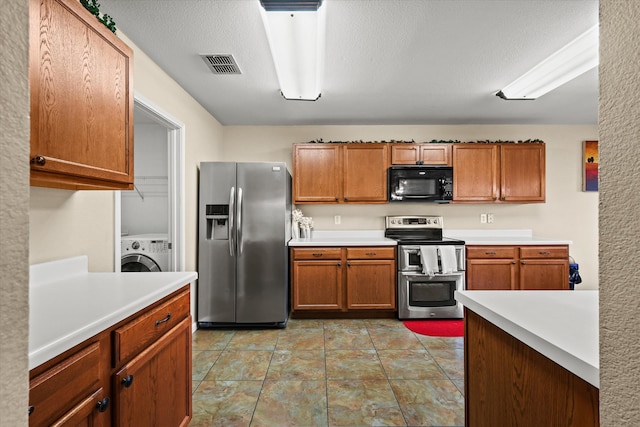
(561, 325)
(345, 238)
(68, 305)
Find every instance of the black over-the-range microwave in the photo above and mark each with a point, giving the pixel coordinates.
(420, 183)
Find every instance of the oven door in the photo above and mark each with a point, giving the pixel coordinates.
(429, 297)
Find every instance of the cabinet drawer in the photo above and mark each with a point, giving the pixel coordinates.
(149, 326)
(60, 388)
(544, 252)
(487, 252)
(317, 253)
(371, 253)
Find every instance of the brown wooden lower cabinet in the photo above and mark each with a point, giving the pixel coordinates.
(505, 267)
(135, 373)
(337, 279)
(507, 383)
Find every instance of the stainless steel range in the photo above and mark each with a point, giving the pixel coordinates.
(430, 268)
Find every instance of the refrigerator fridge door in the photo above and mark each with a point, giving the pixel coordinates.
(216, 243)
(244, 228)
(263, 215)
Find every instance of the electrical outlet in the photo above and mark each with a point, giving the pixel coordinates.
(483, 218)
(336, 219)
(490, 218)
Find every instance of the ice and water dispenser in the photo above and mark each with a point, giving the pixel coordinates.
(217, 222)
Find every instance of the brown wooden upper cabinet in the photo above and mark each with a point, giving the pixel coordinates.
(428, 154)
(81, 79)
(499, 173)
(340, 173)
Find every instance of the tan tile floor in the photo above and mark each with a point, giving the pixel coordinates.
(327, 373)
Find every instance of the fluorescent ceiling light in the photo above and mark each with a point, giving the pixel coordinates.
(296, 34)
(576, 58)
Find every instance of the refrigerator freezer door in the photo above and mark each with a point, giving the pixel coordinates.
(216, 265)
(262, 265)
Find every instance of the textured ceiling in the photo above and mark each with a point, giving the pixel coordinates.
(388, 61)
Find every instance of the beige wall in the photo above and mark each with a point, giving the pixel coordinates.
(67, 223)
(14, 204)
(619, 207)
(568, 214)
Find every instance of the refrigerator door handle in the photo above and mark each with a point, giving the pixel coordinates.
(239, 215)
(232, 224)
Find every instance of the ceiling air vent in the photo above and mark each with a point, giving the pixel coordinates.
(221, 64)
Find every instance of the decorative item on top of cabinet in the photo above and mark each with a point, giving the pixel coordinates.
(527, 267)
(81, 80)
(340, 173)
(499, 172)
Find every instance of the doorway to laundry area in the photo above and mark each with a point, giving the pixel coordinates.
(154, 209)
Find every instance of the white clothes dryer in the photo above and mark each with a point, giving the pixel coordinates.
(145, 252)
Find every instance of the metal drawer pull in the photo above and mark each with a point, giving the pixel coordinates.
(370, 253)
(126, 381)
(489, 253)
(103, 404)
(317, 254)
(166, 319)
(544, 253)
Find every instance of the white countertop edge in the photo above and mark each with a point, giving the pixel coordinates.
(59, 344)
(345, 238)
(574, 364)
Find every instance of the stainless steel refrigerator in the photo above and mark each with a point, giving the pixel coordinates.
(244, 227)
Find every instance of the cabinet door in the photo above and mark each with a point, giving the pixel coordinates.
(365, 172)
(522, 173)
(317, 285)
(81, 100)
(65, 385)
(317, 176)
(405, 154)
(475, 172)
(371, 284)
(491, 274)
(86, 413)
(544, 274)
(154, 389)
(435, 154)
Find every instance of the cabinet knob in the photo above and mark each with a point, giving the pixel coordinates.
(513, 262)
(126, 381)
(102, 405)
(348, 264)
(39, 160)
(31, 409)
(522, 262)
(339, 264)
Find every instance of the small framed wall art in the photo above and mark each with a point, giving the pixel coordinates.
(590, 162)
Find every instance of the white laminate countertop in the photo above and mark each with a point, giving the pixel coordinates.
(345, 238)
(502, 237)
(68, 305)
(562, 325)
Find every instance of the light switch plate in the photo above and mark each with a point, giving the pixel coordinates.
(483, 218)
